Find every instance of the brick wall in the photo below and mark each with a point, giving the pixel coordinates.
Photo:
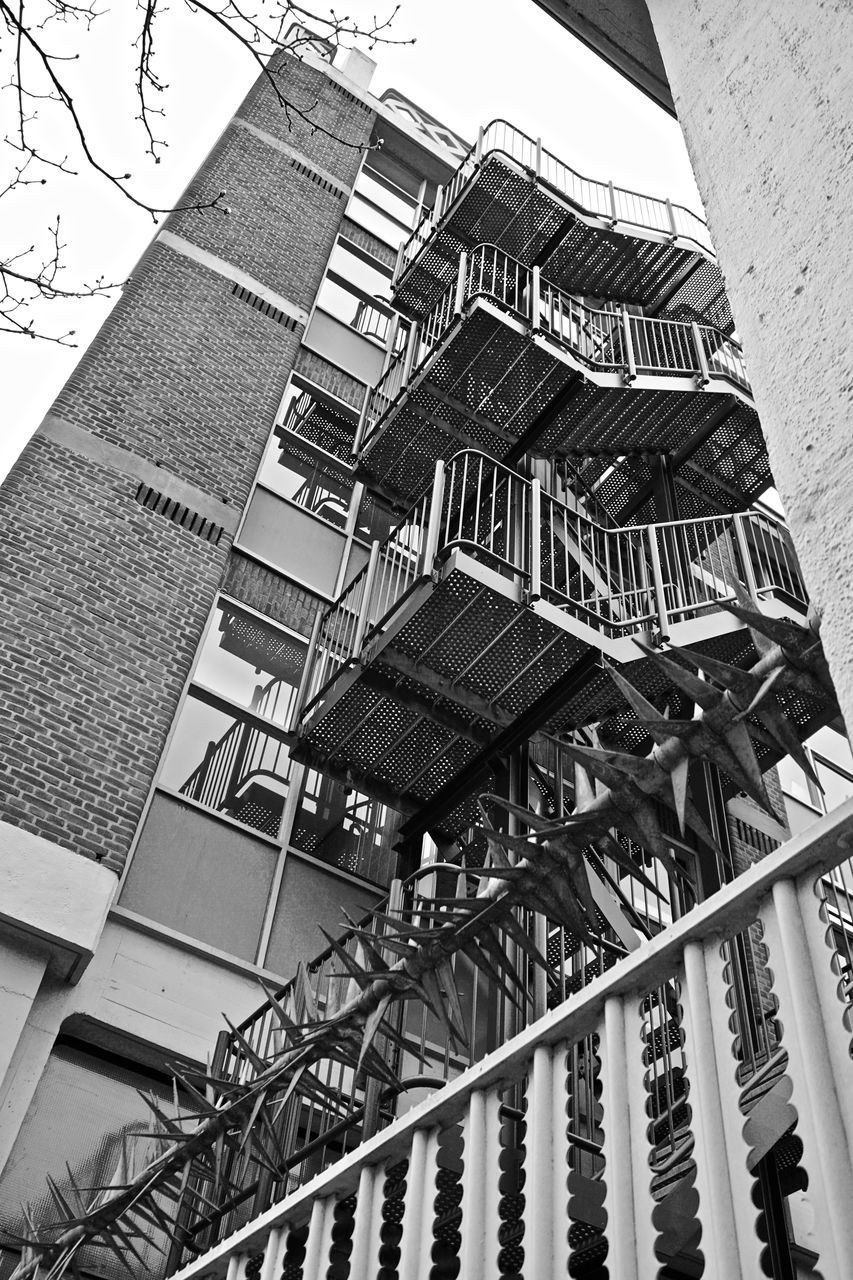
(104, 601)
(101, 602)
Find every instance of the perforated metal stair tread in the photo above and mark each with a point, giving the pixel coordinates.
(488, 383)
(502, 205)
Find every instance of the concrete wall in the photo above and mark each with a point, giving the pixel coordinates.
(763, 92)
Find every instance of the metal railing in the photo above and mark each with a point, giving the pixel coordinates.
(607, 340)
(618, 579)
(595, 198)
(637, 1088)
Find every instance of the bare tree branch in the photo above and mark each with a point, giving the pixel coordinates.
(41, 40)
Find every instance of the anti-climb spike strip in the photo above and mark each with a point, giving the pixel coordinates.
(550, 875)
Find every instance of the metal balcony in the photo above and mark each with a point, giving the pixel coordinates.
(588, 237)
(488, 595)
(507, 362)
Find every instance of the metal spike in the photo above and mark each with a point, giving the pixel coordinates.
(698, 691)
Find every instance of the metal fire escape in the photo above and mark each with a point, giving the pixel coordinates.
(555, 324)
(571, 442)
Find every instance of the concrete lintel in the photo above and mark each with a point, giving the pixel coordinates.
(78, 440)
(227, 269)
(52, 900)
(279, 145)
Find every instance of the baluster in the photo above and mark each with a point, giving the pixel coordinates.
(478, 1255)
(546, 1222)
(819, 1064)
(416, 1244)
(729, 1242)
(319, 1243)
(628, 1199)
(745, 555)
(364, 1257)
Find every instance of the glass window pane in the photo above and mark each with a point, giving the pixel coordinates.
(82, 1111)
(319, 423)
(836, 786)
(353, 310)
(365, 276)
(228, 764)
(251, 663)
(379, 224)
(833, 746)
(317, 484)
(374, 521)
(387, 195)
(345, 828)
(794, 781)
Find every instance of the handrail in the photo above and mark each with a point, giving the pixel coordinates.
(605, 340)
(618, 579)
(589, 195)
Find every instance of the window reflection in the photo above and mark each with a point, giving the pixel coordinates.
(296, 472)
(229, 764)
(223, 758)
(345, 828)
(251, 663)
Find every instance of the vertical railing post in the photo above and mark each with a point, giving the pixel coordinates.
(411, 354)
(612, 192)
(362, 422)
(437, 207)
(537, 168)
(398, 263)
(703, 377)
(307, 672)
(534, 540)
(628, 340)
(436, 504)
(670, 213)
(657, 579)
(364, 616)
(478, 149)
(535, 300)
(391, 338)
(461, 280)
(745, 554)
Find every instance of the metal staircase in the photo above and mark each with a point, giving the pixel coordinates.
(487, 593)
(588, 237)
(507, 362)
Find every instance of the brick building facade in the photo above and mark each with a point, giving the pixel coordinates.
(187, 530)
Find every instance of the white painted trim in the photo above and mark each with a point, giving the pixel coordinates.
(227, 269)
(53, 899)
(293, 154)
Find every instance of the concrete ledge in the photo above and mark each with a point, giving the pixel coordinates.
(52, 899)
(70, 436)
(227, 269)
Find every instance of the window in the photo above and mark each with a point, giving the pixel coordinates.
(303, 464)
(831, 759)
(227, 752)
(303, 475)
(344, 828)
(380, 201)
(84, 1109)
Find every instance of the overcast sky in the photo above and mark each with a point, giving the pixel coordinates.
(473, 60)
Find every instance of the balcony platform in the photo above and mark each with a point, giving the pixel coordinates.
(467, 649)
(521, 362)
(588, 237)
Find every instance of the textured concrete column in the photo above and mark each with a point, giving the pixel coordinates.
(763, 92)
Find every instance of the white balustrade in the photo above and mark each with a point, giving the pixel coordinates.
(681, 971)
